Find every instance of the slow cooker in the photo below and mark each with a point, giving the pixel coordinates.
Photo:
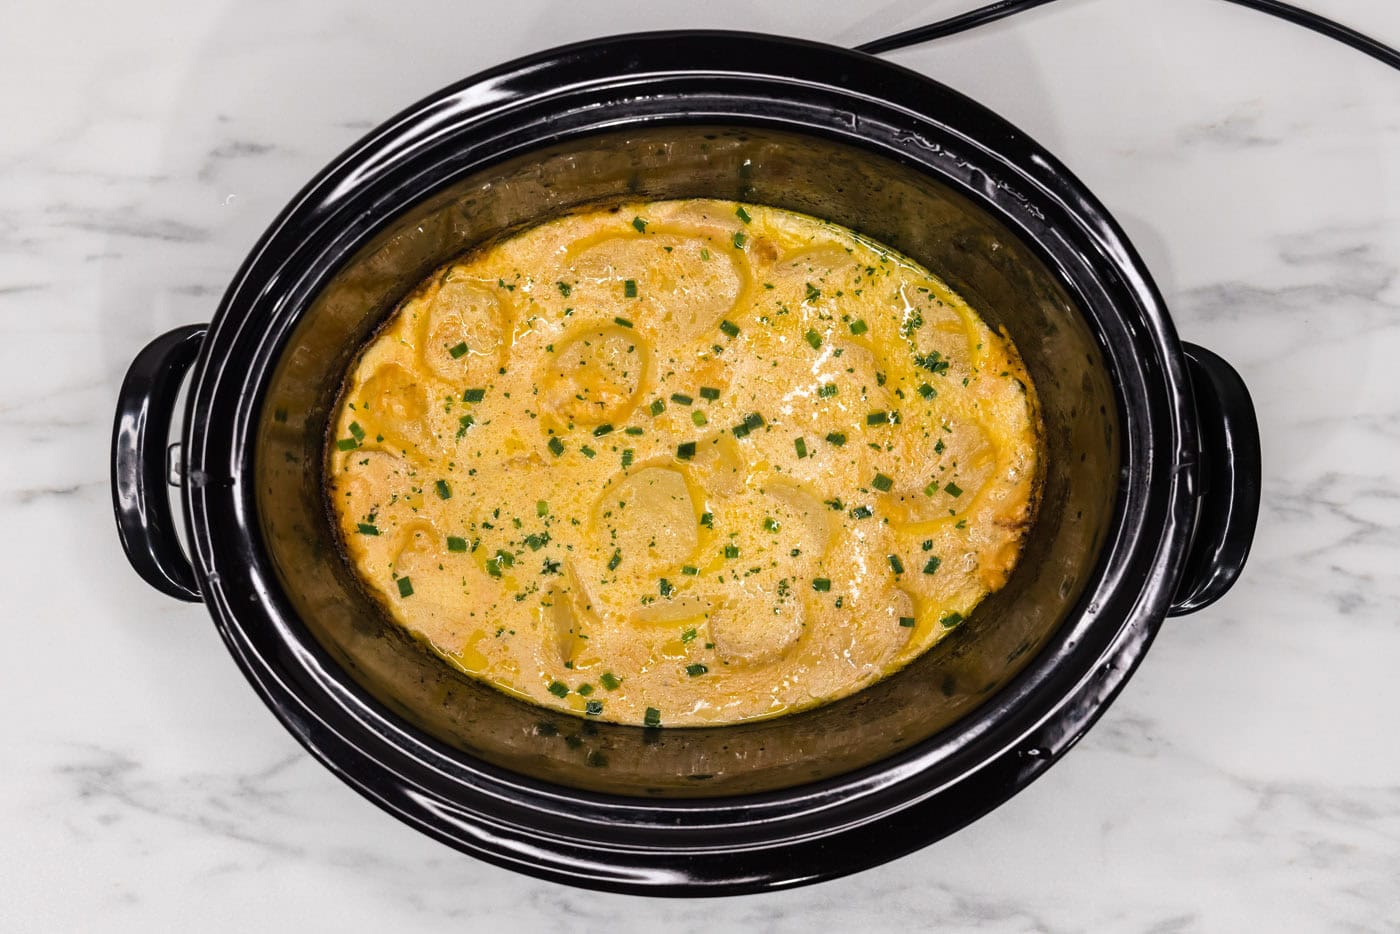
(1148, 507)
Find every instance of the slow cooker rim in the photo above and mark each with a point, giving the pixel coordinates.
(202, 513)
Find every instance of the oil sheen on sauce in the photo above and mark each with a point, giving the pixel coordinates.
(683, 463)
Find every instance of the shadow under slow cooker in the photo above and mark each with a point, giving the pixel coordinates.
(883, 199)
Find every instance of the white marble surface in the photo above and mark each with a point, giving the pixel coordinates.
(1247, 779)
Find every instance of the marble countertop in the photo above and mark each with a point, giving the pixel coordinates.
(1248, 778)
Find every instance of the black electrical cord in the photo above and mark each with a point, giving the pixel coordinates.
(1003, 8)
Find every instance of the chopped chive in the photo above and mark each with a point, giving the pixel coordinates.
(455, 543)
(584, 689)
(696, 670)
(622, 322)
(587, 451)
(742, 214)
(939, 447)
(368, 529)
(633, 430)
(707, 519)
(800, 445)
(474, 395)
(681, 398)
(652, 717)
(862, 512)
(698, 417)
(541, 508)
(686, 450)
(882, 483)
(704, 254)
(729, 328)
(357, 431)
(813, 338)
(463, 423)
(609, 680)
(859, 326)
(709, 392)
(951, 620)
(346, 444)
(927, 391)
(836, 438)
(771, 525)
(537, 540)
(821, 584)
(731, 551)
(690, 570)
(932, 565)
(953, 489)
(739, 239)
(657, 407)
(629, 290)
(505, 558)
(689, 635)
(665, 587)
(556, 447)
(896, 565)
(827, 390)
(602, 430)
(640, 224)
(877, 418)
(593, 708)
(932, 362)
(907, 622)
(931, 489)
(444, 491)
(615, 560)
(405, 587)
(558, 689)
(813, 293)
(458, 351)
(564, 288)
(627, 457)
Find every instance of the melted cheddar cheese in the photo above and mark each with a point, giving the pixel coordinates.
(683, 463)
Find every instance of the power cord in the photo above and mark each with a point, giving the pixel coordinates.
(1004, 8)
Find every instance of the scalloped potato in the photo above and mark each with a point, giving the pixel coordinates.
(684, 463)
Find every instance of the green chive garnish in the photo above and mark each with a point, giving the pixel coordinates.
(882, 483)
(814, 339)
(695, 670)
(907, 622)
(541, 508)
(346, 444)
(859, 326)
(927, 391)
(587, 451)
(932, 564)
(405, 587)
(686, 450)
(665, 587)
(602, 430)
(633, 430)
(689, 635)
(877, 418)
(827, 390)
(564, 288)
(690, 570)
(357, 431)
(731, 551)
(615, 560)
(622, 322)
(813, 293)
(458, 351)
(739, 239)
(443, 490)
(709, 392)
(896, 565)
(681, 398)
(558, 689)
(953, 489)
(729, 328)
(707, 519)
(593, 708)
(821, 584)
(367, 529)
(609, 680)
(629, 290)
(836, 438)
(652, 717)
(951, 620)
(771, 525)
(556, 447)
(742, 214)
(657, 407)
(861, 512)
(463, 423)
(627, 457)
(939, 447)
(640, 224)
(801, 447)
(698, 417)
(456, 544)
(474, 395)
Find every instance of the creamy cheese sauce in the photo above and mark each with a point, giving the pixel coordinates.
(684, 463)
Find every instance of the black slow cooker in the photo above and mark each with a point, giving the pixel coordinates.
(1148, 509)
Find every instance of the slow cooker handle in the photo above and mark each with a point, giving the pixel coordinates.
(145, 521)
(1228, 503)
